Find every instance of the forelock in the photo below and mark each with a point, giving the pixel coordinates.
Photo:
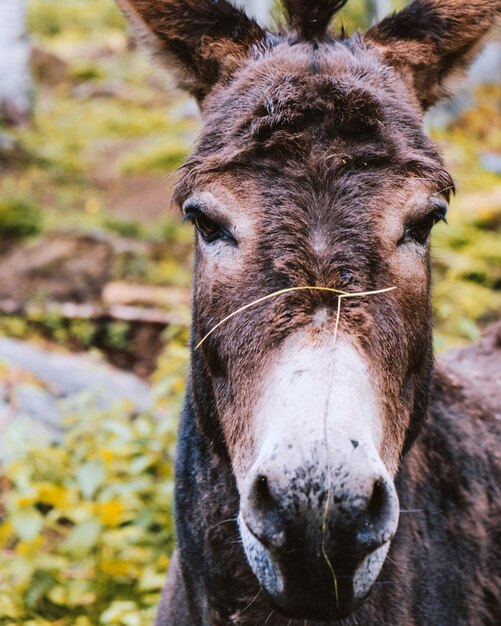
(333, 98)
(310, 19)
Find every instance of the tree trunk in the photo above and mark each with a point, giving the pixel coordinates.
(15, 81)
(259, 9)
(378, 9)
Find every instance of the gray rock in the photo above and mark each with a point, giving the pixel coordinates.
(491, 162)
(36, 385)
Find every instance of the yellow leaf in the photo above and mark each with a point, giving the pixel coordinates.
(107, 454)
(151, 580)
(114, 567)
(29, 548)
(22, 502)
(163, 562)
(122, 613)
(54, 495)
(110, 513)
(6, 531)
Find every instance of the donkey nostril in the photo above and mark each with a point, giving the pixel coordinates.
(263, 517)
(377, 502)
(262, 496)
(262, 490)
(376, 525)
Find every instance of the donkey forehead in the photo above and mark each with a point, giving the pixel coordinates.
(337, 101)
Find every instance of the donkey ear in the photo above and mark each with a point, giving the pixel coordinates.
(431, 42)
(202, 41)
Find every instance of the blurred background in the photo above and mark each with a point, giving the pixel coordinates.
(94, 296)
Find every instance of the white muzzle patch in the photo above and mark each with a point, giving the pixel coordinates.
(319, 410)
(319, 395)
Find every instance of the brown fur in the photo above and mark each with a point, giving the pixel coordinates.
(340, 154)
(203, 42)
(433, 42)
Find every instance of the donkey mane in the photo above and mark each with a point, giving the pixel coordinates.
(311, 19)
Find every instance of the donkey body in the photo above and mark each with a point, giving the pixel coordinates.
(308, 429)
(443, 565)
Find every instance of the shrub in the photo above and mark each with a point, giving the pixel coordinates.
(19, 218)
(125, 228)
(48, 18)
(86, 526)
(160, 158)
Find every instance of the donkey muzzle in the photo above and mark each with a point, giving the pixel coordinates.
(317, 542)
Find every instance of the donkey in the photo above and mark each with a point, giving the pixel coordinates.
(313, 181)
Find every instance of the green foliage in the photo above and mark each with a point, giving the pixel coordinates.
(75, 19)
(126, 228)
(172, 231)
(164, 157)
(86, 71)
(172, 368)
(467, 272)
(466, 253)
(19, 218)
(77, 334)
(117, 335)
(86, 526)
(108, 107)
(354, 16)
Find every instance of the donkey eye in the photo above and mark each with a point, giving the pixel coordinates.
(209, 229)
(419, 230)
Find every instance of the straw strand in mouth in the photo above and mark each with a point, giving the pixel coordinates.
(339, 293)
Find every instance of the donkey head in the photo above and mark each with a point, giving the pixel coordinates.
(313, 170)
